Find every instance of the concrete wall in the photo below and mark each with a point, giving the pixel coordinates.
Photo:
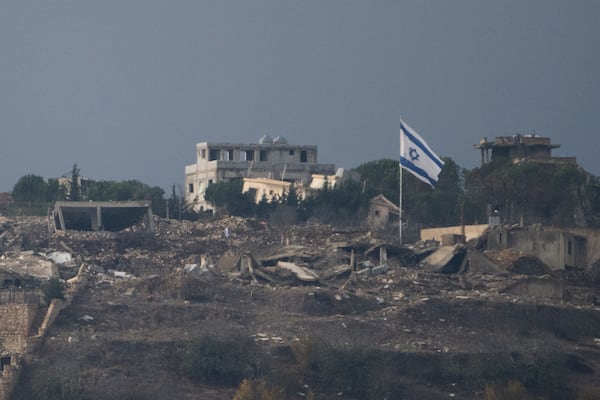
(572, 247)
(547, 245)
(471, 232)
(592, 237)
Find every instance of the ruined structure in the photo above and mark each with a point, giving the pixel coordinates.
(270, 158)
(100, 215)
(19, 313)
(272, 189)
(558, 248)
(519, 148)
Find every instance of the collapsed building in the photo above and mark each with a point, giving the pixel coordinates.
(100, 215)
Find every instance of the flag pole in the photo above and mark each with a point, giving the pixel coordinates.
(400, 208)
(400, 200)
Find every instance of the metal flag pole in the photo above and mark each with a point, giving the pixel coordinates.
(400, 201)
(400, 207)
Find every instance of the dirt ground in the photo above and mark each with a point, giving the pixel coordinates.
(178, 314)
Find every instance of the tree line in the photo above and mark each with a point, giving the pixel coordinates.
(549, 194)
(528, 192)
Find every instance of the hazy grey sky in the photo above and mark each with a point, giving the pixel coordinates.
(126, 88)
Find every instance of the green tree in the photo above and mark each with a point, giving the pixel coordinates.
(53, 289)
(422, 205)
(344, 204)
(531, 192)
(381, 176)
(31, 195)
(227, 197)
(130, 190)
(75, 192)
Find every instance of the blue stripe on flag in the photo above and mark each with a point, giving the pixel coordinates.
(424, 148)
(410, 166)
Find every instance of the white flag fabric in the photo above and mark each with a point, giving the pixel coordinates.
(417, 157)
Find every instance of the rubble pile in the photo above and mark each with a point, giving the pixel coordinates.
(278, 284)
(256, 252)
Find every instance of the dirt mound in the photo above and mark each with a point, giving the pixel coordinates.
(517, 262)
(529, 265)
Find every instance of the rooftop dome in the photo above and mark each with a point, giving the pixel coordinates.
(265, 139)
(280, 140)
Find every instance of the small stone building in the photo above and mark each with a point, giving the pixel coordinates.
(382, 212)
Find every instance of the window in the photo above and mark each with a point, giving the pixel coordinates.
(263, 155)
(303, 156)
(292, 152)
(191, 188)
(213, 154)
(249, 155)
(210, 181)
(4, 361)
(228, 155)
(569, 248)
(203, 154)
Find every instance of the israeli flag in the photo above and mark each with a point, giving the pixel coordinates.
(417, 157)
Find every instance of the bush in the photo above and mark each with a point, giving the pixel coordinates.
(249, 390)
(360, 372)
(513, 390)
(58, 385)
(53, 289)
(219, 361)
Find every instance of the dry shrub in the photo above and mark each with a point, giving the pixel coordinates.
(251, 390)
(513, 390)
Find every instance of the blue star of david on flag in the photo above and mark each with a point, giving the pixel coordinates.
(417, 157)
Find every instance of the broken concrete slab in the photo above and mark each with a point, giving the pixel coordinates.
(447, 260)
(303, 274)
(61, 257)
(29, 265)
(479, 263)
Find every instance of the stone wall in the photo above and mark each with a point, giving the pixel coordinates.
(8, 378)
(23, 325)
(16, 322)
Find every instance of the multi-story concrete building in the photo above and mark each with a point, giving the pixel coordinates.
(269, 158)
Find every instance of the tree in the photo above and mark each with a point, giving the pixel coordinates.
(53, 289)
(126, 191)
(532, 193)
(421, 204)
(75, 192)
(344, 204)
(31, 195)
(227, 197)
(381, 176)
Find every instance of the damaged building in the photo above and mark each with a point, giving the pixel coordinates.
(273, 189)
(518, 148)
(558, 248)
(101, 215)
(269, 158)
